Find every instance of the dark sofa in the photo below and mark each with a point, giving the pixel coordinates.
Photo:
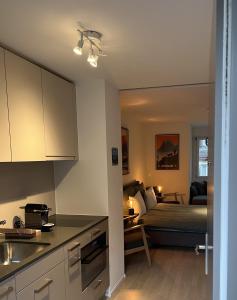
(198, 193)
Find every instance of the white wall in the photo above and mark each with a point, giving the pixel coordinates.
(173, 180)
(115, 193)
(92, 185)
(81, 187)
(136, 150)
(142, 155)
(22, 183)
(200, 131)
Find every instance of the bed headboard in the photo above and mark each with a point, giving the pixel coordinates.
(130, 189)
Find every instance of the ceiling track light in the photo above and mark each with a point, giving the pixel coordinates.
(94, 39)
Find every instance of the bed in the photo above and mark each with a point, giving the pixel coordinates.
(172, 224)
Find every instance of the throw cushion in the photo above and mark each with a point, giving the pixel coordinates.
(193, 190)
(138, 204)
(150, 198)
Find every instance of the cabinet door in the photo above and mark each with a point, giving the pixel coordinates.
(24, 91)
(97, 289)
(51, 286)
(5, 150)
(100, 285)
(7, 290)
(73, 270)
(59, 116)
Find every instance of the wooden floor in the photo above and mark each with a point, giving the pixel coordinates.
(175, 274)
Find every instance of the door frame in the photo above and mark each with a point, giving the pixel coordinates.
(225, 149)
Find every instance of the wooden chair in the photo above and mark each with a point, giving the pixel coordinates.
(135, 240)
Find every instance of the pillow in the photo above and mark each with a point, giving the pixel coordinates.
(138, 204)
(151, 200)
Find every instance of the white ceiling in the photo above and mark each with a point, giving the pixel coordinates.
(188, 104)
(148, 42)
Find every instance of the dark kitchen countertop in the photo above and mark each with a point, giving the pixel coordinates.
(67, 228)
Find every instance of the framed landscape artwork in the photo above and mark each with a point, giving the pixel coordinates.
(125, 150)
(167, 151)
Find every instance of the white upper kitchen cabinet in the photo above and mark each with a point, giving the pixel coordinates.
(59, 117)
(5, 149)
(24, 91)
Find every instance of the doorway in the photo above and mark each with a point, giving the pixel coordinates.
(220, 170)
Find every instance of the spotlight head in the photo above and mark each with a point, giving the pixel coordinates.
(77, 50)
(92, 59)
(94, 63)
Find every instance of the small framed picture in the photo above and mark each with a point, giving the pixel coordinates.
(114, 156)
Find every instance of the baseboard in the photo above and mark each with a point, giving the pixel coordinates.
(110, 290)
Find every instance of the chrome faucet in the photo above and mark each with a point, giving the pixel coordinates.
(3, 222)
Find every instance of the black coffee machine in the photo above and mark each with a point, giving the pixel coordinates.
(36, 215)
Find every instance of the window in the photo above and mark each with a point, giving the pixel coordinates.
(202, 156)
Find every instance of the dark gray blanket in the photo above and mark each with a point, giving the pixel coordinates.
(173, 217)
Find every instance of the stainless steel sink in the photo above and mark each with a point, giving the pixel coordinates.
(12, 252)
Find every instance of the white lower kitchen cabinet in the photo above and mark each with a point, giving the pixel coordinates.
(100, 285)
(50, 286)
(73, 270)
(96, 290)
(7, 290)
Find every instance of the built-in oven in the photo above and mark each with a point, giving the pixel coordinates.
(93, 259)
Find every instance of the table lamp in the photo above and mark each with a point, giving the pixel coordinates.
(131, 209)
(159, 191)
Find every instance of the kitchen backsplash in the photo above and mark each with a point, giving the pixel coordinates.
(22, 183)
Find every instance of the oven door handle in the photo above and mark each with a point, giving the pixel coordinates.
(88, 259)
